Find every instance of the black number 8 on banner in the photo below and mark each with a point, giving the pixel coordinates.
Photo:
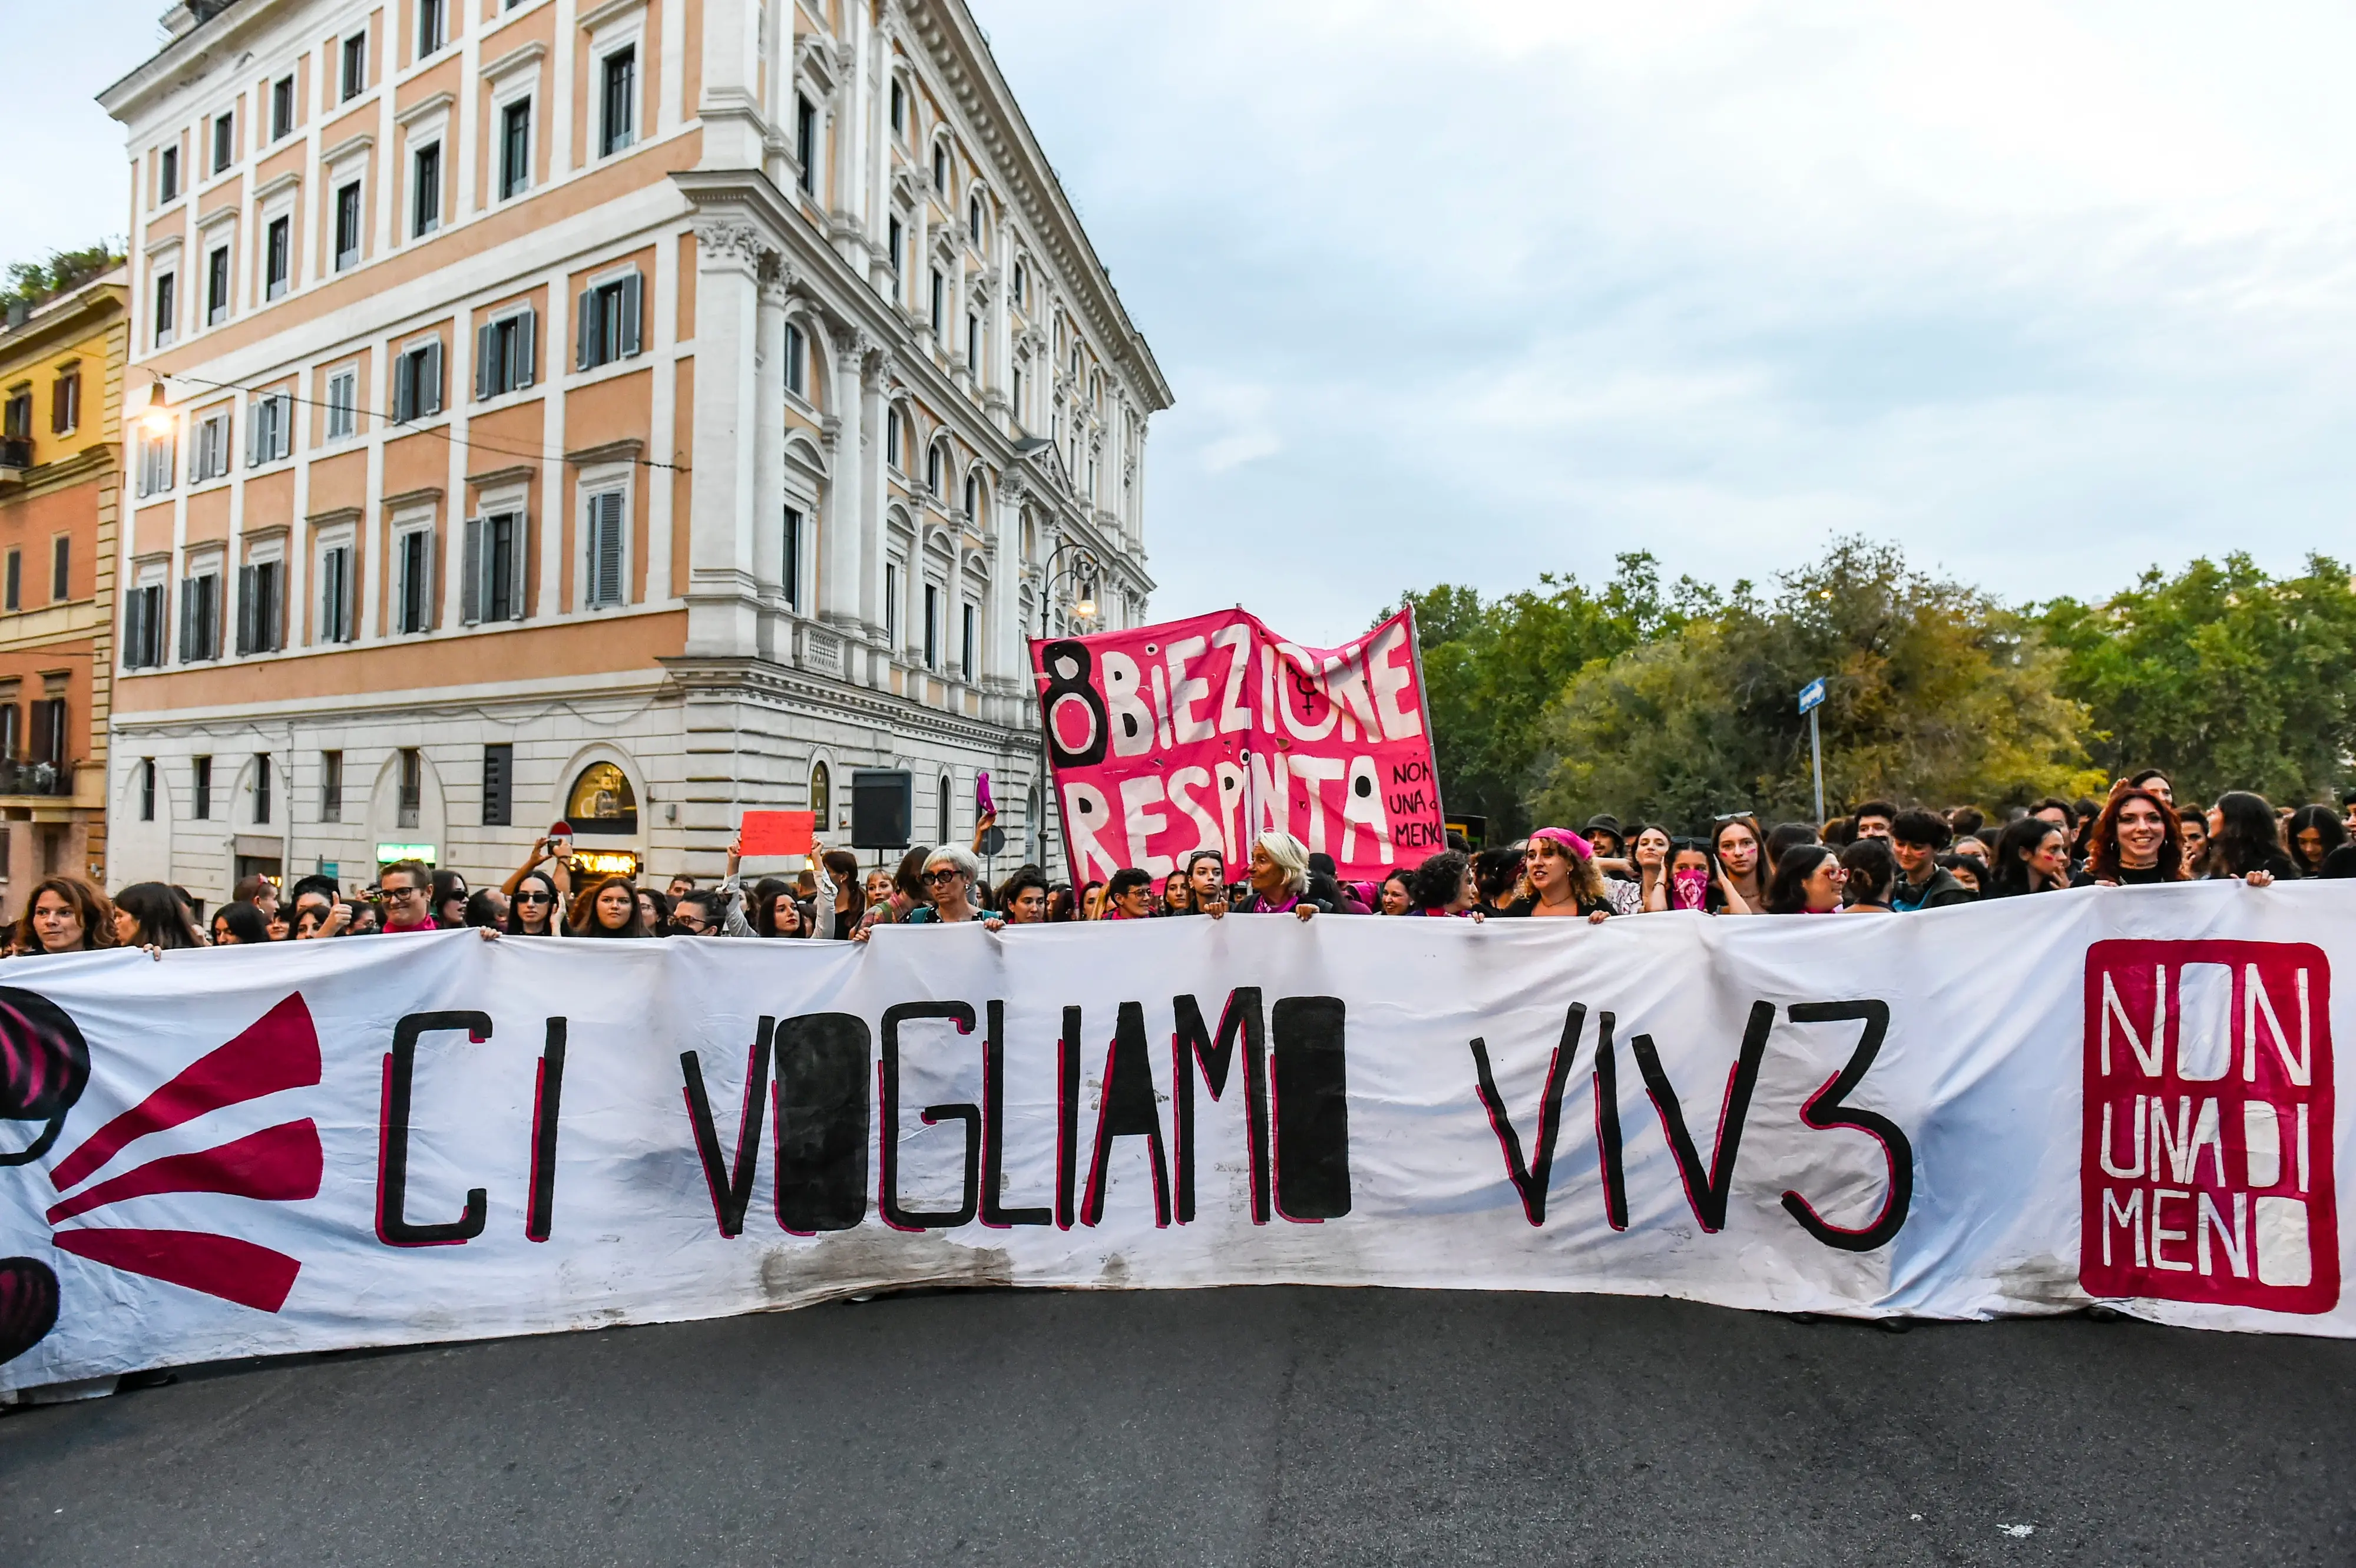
(1068, 665)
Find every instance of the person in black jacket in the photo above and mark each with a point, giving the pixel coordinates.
(1916, 837)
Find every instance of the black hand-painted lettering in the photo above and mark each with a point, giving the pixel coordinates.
(1309, 1085)
(888, 1185)
(993, 1127)
(1068, 664)
(1128, 1110)
(1608, 1157)
(1707, 1191)
(1530, 1180)
(1193, 1049)
(826, 1068)
(547, 1105)
(1068, 1115)
(392, 1228)
(1827, 1110)
(731, 1184)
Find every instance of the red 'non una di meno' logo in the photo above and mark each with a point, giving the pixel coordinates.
(2205, 1172)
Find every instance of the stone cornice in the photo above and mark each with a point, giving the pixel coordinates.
(958, 51)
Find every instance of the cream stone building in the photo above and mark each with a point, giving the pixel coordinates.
(625, 411)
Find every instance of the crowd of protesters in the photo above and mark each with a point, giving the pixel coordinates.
(1878, 859)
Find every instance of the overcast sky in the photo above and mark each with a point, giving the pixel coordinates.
(1468, 292)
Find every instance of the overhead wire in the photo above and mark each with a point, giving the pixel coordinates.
(411, 426)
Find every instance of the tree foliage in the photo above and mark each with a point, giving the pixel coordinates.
(29, 282)
(2228, 679)
(1935, 693)
(1492, 668)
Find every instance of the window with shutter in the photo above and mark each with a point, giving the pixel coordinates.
(429, 378)
(470, 586)
(134, 629)
(508, 530)
(629, 332)
(605, 548)
(269, 607)
(246, 609)
(413, 591)
(188, 620)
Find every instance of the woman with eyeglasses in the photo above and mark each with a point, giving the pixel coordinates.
(405, 899)
(533, 909)
(1808, 881)
(449, 900)
(949, 875)
(1129, 896)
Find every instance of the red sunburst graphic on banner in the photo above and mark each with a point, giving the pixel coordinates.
(280, 1164)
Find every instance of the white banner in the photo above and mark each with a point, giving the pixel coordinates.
(1958, 1113)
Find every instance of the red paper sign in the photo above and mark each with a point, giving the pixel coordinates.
(1202, 734)
(778, 833)
(2206, 1168)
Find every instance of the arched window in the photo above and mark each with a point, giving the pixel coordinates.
(822, 797)
(899, 108)
(1022, 283)
(935, 465)
(941, 166)
(941, 822)
(973, 218)
(972, 496)
(797, 362)
(892, 437)
(602, 802)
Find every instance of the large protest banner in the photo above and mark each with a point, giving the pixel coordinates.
(1199, 734)
(2013, 1107)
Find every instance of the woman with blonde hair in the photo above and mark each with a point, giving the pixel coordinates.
(1564, 881)
(1280, 879)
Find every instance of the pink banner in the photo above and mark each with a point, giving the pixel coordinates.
(1200, 733)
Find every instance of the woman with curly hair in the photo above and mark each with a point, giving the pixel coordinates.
(65, 915)
(2137, 841)
(1559, 871)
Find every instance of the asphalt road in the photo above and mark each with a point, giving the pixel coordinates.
(1237, 1426)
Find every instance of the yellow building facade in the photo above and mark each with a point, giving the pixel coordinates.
(61, 368)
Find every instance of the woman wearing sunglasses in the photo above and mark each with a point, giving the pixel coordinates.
(949, 875)
(533, 909)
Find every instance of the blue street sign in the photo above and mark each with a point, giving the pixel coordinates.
(1812, 695)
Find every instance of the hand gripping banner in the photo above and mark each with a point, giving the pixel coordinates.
(2111, 1094)
(1200, 733)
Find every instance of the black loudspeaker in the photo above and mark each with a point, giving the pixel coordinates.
(883, 803)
